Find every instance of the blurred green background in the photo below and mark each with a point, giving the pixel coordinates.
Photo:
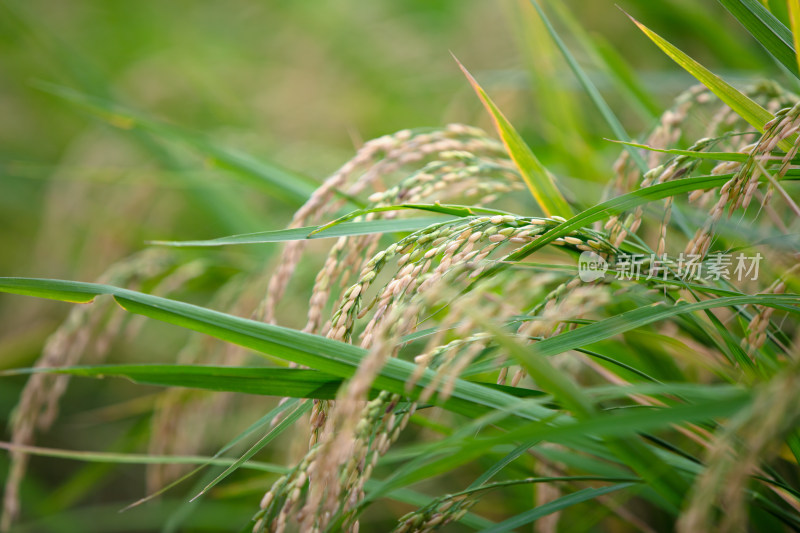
(298, 86)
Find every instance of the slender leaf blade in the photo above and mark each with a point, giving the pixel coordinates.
(754, 114)
(556, 505)
(590, 88)
(642, 316)
(327, 355)
(668, 483)
(539, 181)
(280, 382)
(313, 232)
(443, 209)
(264, 381)
(766, 29)
(138, 458)
(274, 432)
(714, 156)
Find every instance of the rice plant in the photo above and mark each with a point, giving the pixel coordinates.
(474, 359)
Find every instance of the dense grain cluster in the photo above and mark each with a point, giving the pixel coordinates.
(346, 437)
(439, 272)
(452, 296)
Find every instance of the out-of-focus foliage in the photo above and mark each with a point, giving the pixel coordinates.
(295, 85)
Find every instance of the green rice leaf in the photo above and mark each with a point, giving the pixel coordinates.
(636, 318)
(313, 232)
(502, 463)
(767, 30)
(615, 425)
(138, 458)
(715, 156)
(319, 353)
(609, 208)
(538, 179)
(615, 206)
(444, 209)
(634, 453)
(556, 505)
(285, 423)
(588, 86)
(279, 382)
(754, 114)
(255, 427)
